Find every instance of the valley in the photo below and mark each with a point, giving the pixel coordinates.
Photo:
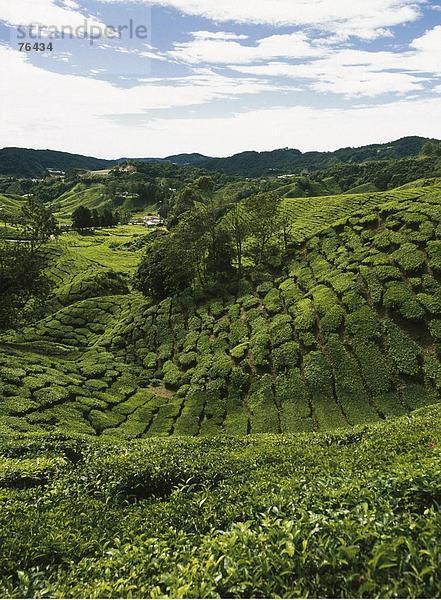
(241, 401)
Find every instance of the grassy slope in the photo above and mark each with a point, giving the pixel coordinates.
(80, 195)
(10, 207)
(348, 514)
(92, 196)
(348, 333)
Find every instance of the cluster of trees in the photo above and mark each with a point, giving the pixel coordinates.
(210, 244)
(24, 284)
(84, 218)
(138, 191)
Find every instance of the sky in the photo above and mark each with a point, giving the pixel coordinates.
(140, 78)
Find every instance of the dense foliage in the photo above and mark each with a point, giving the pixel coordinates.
(84, 218)
(287, 160)
(23, 162)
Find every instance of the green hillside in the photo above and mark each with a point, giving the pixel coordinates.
(91, 196)
(24, 162)
(9, 207)
(278, 441)
(346, 332)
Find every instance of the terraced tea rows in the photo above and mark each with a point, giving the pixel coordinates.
(313, 215)
(80, 195)
(348, 333)
(348, 514)
(93, 395)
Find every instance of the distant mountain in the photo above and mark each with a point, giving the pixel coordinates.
(24, 162)
(177, 159)
(189, 159)
(21, 162)
(287, 160)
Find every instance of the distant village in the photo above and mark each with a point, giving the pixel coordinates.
(150, 221)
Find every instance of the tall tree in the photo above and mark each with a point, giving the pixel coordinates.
(24, 285)
(236, 221)
(164, 271)
(264, 211)
(37, 223)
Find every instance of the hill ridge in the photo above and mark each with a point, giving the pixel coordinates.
(26, 162)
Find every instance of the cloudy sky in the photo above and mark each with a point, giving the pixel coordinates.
(158, 77)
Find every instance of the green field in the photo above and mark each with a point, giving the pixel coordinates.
(9, 208)
(93, 197)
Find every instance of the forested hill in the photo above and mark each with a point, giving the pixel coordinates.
(287, 160)
(23, 162)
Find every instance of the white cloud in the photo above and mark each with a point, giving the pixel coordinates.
(300, 127)
(349, 80)
(92, 105)
(352, 83)
(211, 48)
(44, 12)
(351, 72)
(103, 98)
(151, 53)
(218, 35)
(363, 18)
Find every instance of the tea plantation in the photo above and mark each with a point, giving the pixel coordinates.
(348, 514)
(347, 332)
(282, 442)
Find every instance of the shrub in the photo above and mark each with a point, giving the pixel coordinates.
(434, 252)
(363, 323)
(374, 365)
(50, 395)
(281, 330)
(305, 315)
(187, 359)
(432, 370)
(238, 333)
(431, 302)
(318, 375)
(150, 361)
(409, 258)
(273, 301)
(239, 352)
(172, 375)
(293, 396)
(221, 366)
(435, 328)
(262, 405)
(332, 319)
(404, 352)
(260, 344)
(286, 356)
